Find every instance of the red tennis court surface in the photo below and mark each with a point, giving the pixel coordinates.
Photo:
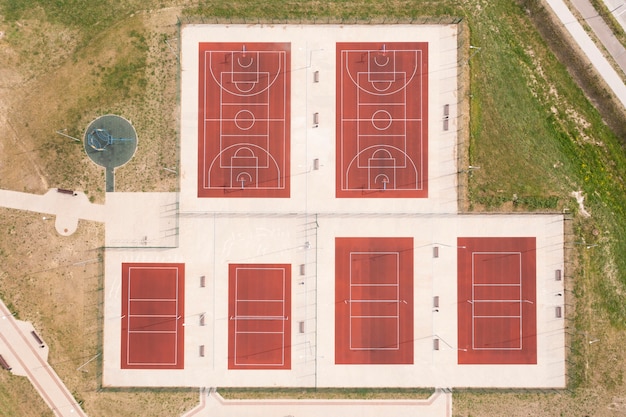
(152, 310)
(496, 295)
(259, 306)
(374, 300)
(382, 119)
(243, 117)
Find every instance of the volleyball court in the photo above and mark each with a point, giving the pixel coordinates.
(497, 315)
(374, 304)
(259, 309)
(152, 316)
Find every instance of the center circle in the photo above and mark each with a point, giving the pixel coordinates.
(381, 120)
(244, 119)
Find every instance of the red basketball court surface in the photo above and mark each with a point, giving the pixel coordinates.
(374, 300)
(382, 120)
(497, 312)
(244, 120)
(153, 305)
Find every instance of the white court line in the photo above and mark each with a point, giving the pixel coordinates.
(375, 285)
(394, 284)
(402, 119)
(496, 285)
(359, 135)
(152, 363)
(382, 62)
(362, 103)
(484, 285)
(263, 122)
(280, 165)
(130, 299)
(238, 318)
(153, 331)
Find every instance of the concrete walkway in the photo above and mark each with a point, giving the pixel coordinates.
(27, 356)
(67, 207)
(214, 405)
(618, 10)
(602, 31)
(590, 49)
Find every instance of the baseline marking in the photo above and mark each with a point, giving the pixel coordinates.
(136, 298)
(359, 302)
(476, 302)
(252, 313)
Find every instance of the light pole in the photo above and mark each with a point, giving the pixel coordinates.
(475, 50)
(469, 169)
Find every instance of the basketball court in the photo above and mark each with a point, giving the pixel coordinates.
(275, 114)
(315, 240)
(382, 128)
(243, 144)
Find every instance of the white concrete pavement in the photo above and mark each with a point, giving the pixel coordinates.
(68, 207)
(601, 64)
(25, 354)
(618, 10)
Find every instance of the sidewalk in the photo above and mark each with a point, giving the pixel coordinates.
(28, 357)
(67, 207)
(589, 48)
(618, 10)
(602, 31)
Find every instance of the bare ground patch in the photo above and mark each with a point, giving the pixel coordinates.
(49, 83)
